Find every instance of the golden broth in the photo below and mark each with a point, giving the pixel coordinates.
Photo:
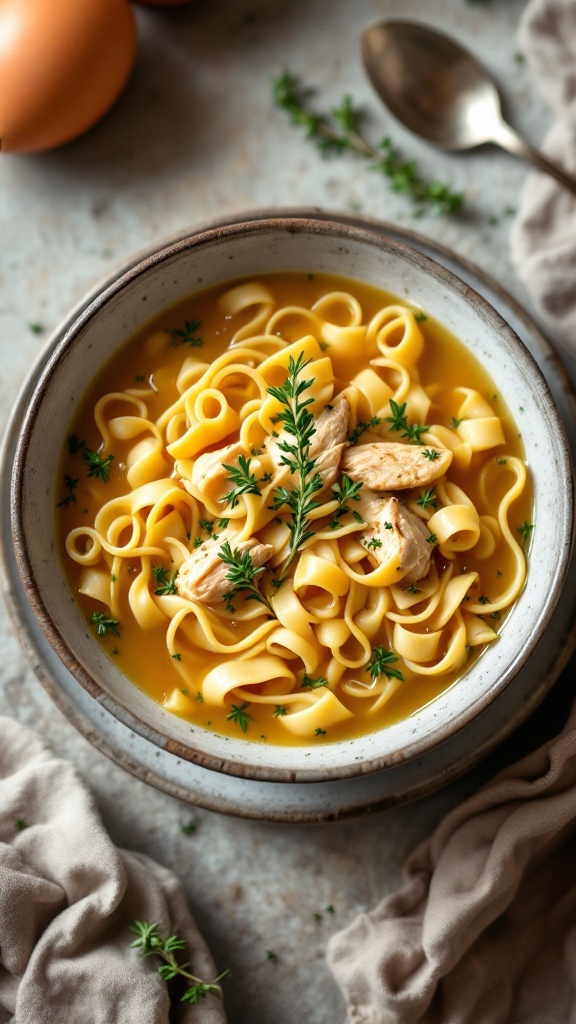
(148, 368)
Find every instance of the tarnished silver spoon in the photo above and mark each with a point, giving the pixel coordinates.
(439, 91)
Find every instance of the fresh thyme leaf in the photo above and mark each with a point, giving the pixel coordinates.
(206, 524)
(413, 432)
(339, 132)
(298, 424)
(244, 481)
(320, 732)
(151, 943)
(75, 444)
(525, 530)
(380, 663)
(399, 422)
(431, 539)
(483, 599)
(313, 684)
(431, 454)
(177, 656)
(188, 828)
(271, 955)
(412, 589)
(97, 464)
(455, 423)
(240, 715)
(20, 824)
(187, 335)
(104, 624)
(242, 574)
(420, 317)
(166, 583)
(279, 710)
(428, 499)
(360, 428)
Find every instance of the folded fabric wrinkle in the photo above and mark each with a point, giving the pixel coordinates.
(67, 898)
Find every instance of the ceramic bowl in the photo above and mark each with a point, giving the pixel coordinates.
(158, 282)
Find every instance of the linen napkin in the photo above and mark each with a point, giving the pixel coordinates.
(543, 235)
(67, 898)
(484, 930)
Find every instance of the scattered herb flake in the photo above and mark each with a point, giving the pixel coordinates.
(104, 624)
(187, 335)
(380, 662)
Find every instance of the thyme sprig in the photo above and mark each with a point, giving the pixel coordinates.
(344, 491)
(398, 422)
(339, 131)
(361, 427)
(151, 943)
(242, 574)
(239, 715)
(244, 481)
(298, 424)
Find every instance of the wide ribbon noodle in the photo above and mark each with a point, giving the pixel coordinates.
(271, 560)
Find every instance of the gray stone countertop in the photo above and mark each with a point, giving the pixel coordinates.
(195, 136)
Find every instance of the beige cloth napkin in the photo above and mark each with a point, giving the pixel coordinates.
(67, 897)
(543, 235)
(484, 931)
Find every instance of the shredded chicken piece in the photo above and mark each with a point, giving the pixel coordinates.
(211, 465)
(390, 466)
(401, 532)
(202, 577)
(326, 444)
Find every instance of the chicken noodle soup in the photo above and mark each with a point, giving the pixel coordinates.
(294, 509)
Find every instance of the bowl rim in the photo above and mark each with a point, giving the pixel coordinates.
(61, 341)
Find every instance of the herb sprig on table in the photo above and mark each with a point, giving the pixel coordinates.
(298, 423)
(151, 943)
(339, 131)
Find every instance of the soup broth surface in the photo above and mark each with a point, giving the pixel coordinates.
(181, 453)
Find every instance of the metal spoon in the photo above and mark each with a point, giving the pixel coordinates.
(439, 91)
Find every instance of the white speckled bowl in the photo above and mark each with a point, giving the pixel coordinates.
(163, 279)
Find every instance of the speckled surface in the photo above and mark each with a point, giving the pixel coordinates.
(195, 137)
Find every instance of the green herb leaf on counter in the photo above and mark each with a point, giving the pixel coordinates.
(380, 663)
(36, 328)
(166, 584)
(339, 131)
(104, 624)
(151, 943)
(98, 466)
(187, 335)
(188, 828)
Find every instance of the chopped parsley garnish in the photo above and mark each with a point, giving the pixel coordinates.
(239, 715)
(187, 335)
(372, 544)
(75, 444)
(279, 710)
(166, 583)
(427, 500)
(431, 454)
(104, 624)
(98, 465)
(525, 530)
(380, 662)
(313, 684)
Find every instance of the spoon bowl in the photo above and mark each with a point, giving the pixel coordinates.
(439, 91)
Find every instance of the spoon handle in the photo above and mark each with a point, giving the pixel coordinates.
(508, 139)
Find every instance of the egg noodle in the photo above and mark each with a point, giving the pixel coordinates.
(204, 470)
